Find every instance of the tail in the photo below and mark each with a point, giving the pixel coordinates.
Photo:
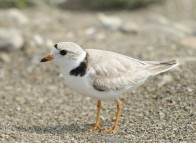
(155, 67)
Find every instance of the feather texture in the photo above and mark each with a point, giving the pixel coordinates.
(118, 72)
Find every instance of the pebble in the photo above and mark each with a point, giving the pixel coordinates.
(159, 19)
(52, 88)
(100, 36)
(167, 30)
(186, 60)
(102, 118)
(161, 24)
(11, 39)
(5, 58)
(183, 28)
(49, 43)
(130, 27)
(109, 22)
(70, 35)
(189, 89)
(38, 40)
(16, 42)
(90, 31)
(41, 100)
(35, 59)
(18, 108)
(162, 115)
(165, 79)
(2, 73)
(17, 17)
(189, 42)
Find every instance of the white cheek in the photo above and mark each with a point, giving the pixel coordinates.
(57, 59)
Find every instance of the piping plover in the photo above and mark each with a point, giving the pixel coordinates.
(103, 75)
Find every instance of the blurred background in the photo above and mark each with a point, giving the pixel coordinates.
(35, 105)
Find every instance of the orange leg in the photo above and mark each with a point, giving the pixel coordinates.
(97, 126)
(119, 108)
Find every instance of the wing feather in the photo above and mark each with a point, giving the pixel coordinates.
(113, 71)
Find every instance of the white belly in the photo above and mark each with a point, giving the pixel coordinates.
(83, 86)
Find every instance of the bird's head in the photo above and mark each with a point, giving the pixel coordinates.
(66, 55)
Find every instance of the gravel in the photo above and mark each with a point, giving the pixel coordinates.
(36, 106)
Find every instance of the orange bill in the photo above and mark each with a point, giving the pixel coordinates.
(47, 58)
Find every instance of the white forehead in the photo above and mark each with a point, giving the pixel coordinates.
(67, 45)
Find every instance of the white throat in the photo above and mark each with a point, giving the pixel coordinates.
(67, 66)
(80, 59)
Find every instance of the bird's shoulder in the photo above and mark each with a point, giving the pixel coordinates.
(108, 63)
(113, 71)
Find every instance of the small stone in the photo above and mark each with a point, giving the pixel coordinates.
(49, 43)
(165, 79)
(38, 40)
(109, 22)
(2, 73)
(5, 58)
(186, 59)
(18, 108)
(12, 39)
(167, 30)
(52, 88)
(17, 17)
(160, 24)
(60, 75)
(183, 28)
(16, 42)
(162, 115)
(35, 59)
(158, 19)
(100, 36)
(189, 42)
(189, 89)
(130, 27)
(175, 129)
(102, 118)
(41, 100)
(70, 35)
(8, 88)
(90, 31)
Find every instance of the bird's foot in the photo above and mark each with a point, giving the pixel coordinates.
(96, 127)
(113, 130)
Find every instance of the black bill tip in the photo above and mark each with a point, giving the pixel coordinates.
(44, 60)
(47, 58)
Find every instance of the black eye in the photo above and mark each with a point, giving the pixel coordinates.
(63, 52)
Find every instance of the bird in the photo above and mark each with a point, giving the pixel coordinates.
(103, 75)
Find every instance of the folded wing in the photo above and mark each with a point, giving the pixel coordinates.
(116, 72)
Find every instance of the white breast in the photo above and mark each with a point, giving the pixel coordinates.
(83, 86)
(77, 83)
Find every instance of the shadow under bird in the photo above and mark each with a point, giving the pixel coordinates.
(103, 75)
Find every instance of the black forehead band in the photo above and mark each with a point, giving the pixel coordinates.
(56, 46)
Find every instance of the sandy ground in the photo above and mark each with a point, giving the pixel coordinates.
(36, 106)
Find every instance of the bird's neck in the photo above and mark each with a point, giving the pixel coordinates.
(81, 69)
(78, 67)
